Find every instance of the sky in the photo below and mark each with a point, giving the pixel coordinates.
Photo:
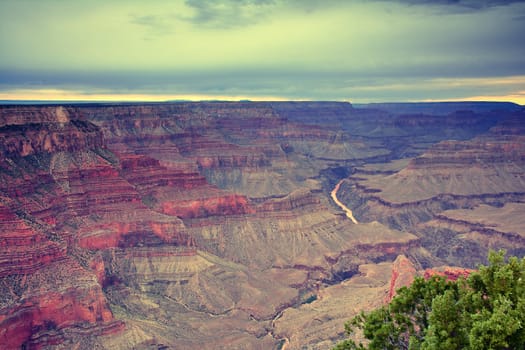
(346, 50)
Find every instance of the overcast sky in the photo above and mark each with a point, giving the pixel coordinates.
(353, 50)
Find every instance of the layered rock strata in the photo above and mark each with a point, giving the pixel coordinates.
(210, 225)
(462, 177)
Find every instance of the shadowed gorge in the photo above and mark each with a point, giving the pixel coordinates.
(229, 224)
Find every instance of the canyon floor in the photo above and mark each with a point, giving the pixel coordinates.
(242, 225)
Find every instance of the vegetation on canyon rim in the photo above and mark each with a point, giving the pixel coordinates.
(484, 311)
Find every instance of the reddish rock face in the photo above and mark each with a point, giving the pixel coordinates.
(450, 273)
(58, 296)
(403, 274)
(22, 249)
(206, 207)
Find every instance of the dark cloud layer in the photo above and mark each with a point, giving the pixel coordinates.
(474, 4)
(228, 13)
(285, 84)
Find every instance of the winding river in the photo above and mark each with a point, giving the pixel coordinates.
(347, 211)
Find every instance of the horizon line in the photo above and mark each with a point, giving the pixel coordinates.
(71, 96)
(246, 100)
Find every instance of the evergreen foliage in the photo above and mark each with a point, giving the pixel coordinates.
(484, 311)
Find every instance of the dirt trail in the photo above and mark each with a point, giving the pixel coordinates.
(347, 211)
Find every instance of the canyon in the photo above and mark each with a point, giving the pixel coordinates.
(242, 225)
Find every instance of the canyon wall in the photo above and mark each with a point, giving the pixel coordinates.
(209, 225)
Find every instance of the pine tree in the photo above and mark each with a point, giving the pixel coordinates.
(485, 311)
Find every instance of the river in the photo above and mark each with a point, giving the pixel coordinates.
(347, 211)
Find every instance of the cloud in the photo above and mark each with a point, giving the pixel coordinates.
(284, 84)
(519, 18)
(155, 25)
(464, 4)
(227, 13)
